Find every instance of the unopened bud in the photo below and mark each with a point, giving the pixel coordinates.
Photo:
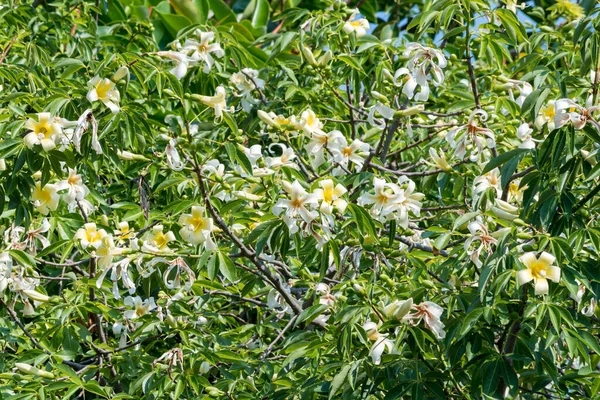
(31, 370)
(36, 296)
(308, 54)
(325, 58)
(120, 74)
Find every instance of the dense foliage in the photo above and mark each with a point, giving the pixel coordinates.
(291, 199)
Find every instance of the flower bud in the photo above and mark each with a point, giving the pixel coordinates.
(308, 54)
(36, 296)
(410, 111)
(398, 309)
(266, 118)
(504, 210)
(31, 370)
(2, 164)
(325, 58)
(120, 74)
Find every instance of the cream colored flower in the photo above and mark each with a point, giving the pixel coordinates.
(203, 50)
(89, 235)
(330, 196)
(381, 342)
(430, 314)
(295, 206)
(539, 270)
(45, 199)
(156, 241)
(309, 122)
(104, 90)
(216, 102)
(546, 116)
(439, 159)
(398, 309)
(196, 229)
(45, 131)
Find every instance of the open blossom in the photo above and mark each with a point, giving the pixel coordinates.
(569, 111)
(285, 160)
(330, 196)
(89, 235)
(309, 122)
(182, 62)
(358, 25)
(384, 200)
(487, 181)
(45, 199)
(295, 206)
(325, 297)
(467, 137)
(173, 159)
(321, 141)
(196, 229)
(381, 342)
(140, 308)
(407, 201)
(104, 90)
(422, 61)
(216, 102)
(45, 131)
(430, 314)
(539, 270)
(118, 270)
(203, 50)
(479, 233)
(76, 192)
(246, 81)
(83, 123)
(524, 89)
(156, 241)
(524, 134)
(344, 153)
(5, 271)
(546, 116)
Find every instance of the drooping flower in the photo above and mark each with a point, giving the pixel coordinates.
(196, 229)
(83, 124)
(467, 137)
(479, 233)
(89, 235)
(5, 270)
(407, 201)
(173, 159)
(45, 131)
(45, 199)
(140, 307)
(325, 297)
(381, 342)
(410, 81)
(359, 26)
(118, 270)
(422, 61)
(203, 50)
(539, 270)
(430, 314)
(104, 90)
(182, 62)
(285, 160)
(524, 89)
(330, 196)
(569, 111)
(295, 206)
(524, 134)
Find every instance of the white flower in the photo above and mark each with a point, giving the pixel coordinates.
(360, 26)
(464, 137)
(5, 271)
(410, 82)
(320, 141)
(196, 229)
(479, 233)
(204, 49)
(439, 159)
(385, 111)
(539, 270)
(183, 62)
(45, 199)
(45, 131)
(83, 124)
(524, 134)
(278, 121)
(76, 192)
(119, 270)
(246, 81)
(325, 297)
(588, 311)
(487, 181)
(285, 160)
(422, 61)
(295, 206)
(398, 309)
(344, 153)
(140, 308)
(430, 314)
(385, 199)
(567, 110)
(381, 342)
(330, 196)
(104, 90)
(407, 201)
(173, 159)
(524, 89)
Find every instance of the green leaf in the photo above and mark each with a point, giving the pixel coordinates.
(502, 158)
(514, 28)
(492, 376)
(22, 257)
(260, 18)
(227, 267)
(311, 313)
(339, 380)
(222, 12)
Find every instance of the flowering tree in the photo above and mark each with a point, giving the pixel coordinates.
(262, 199)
